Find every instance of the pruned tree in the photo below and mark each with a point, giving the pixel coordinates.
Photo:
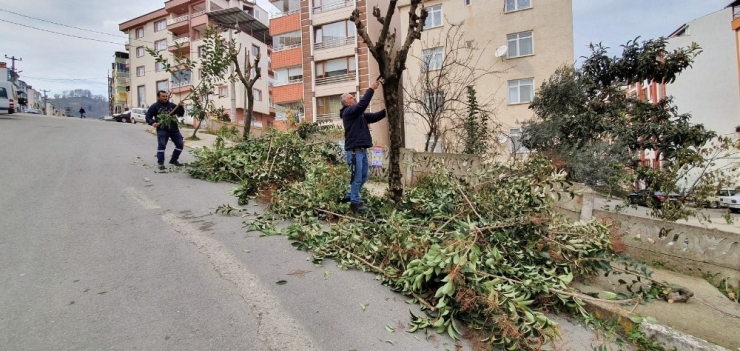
(245, 76)
(392, 63)
(213, 64)
(438, 94)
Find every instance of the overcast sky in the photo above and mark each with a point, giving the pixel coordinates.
(56, 62)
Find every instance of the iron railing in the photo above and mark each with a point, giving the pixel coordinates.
(180, 83)
(336, 79)
(290, 81)
(196, 14)
(328, 117)
(333, 6)
(286, 47)
(332, 43)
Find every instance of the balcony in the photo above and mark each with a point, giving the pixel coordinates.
(178, 24)
(336, 79)
(333, 6)
(333, 43)
(199, 13)
(286, 47)
(184, 42)
(181, 83)
(291, 81)
(328, 117)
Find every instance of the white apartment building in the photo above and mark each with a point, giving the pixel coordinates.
(523, 41)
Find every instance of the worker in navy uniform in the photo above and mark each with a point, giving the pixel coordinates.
(163, 105)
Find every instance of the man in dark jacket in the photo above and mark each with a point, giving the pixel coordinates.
(163, 105)
(356, 141)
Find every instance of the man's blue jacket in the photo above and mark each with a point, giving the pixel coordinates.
(355, 120)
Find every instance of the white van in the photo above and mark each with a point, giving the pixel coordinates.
(7, 98)
(138, 115)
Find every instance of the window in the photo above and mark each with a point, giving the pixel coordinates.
(341, 68)
(437, 148)
(160, 26)
(434, 101)
(159, 66)
(287, 40)
(180, 78)
(515, 135)
(432, 59)
(434, 17)
(256, 14)
(160, 45)
(223, 91)
(516, 5)
(141, 95)
(257, 94)
(201, 51)
(334, 34)
(163, 85)
(292, 110)
(521, 91)
(520, 44)
(289, 75)
(3, 93)
(327, 107)
(255, 50)
(467, 2)
(140, 71)
(139, 33)
(140, 51)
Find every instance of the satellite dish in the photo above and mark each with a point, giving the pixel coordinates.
(501, 51)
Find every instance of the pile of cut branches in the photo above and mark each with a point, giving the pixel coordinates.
(492, 257)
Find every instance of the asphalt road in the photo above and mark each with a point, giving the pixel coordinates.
(97, 251)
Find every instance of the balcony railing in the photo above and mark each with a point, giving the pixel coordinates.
(332, 43)
(336, 79)
(282, 14)
(333, 6)
(328, 117)
(290, 81)
(178, 19)
(183, 40)
(181, 83)
(286, 47)
(196, 14)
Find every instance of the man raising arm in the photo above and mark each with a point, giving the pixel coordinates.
(163, 105)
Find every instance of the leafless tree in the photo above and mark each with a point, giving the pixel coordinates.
(245, 76)
(438, 94)
(392, 63)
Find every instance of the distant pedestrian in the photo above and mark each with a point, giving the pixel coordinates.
(357, 139)
(82, 112)
(163, 105)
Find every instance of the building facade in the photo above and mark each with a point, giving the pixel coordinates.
(522, 42)
(120, 80)
(317, 56)
(184, 22)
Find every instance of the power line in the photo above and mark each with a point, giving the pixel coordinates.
(65, 25)
(69, 35)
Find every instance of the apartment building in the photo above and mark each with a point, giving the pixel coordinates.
(523, 41)
(119, 82)
(317, 57)
(184, 22)
(735, 24)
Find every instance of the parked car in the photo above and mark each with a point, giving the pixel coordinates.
(732, 202)
(123, 117)
(34, 111)
(11, 95)
(718, 200)
(4, 101)
(657, 198)
(138, 115)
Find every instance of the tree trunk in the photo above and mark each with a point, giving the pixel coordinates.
(391, 93)
(248, 113)
(197, 123)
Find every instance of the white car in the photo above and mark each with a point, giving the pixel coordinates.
(732, 202)
(4, 101)
(138, 115)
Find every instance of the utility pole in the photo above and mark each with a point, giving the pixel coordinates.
(45, 111)
(12, 67)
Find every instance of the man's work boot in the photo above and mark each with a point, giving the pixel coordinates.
(161, 167)
(358, 207)
(345, 200)
(175, 163)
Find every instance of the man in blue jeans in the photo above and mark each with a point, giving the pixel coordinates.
(163, 105)
(357, 140)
